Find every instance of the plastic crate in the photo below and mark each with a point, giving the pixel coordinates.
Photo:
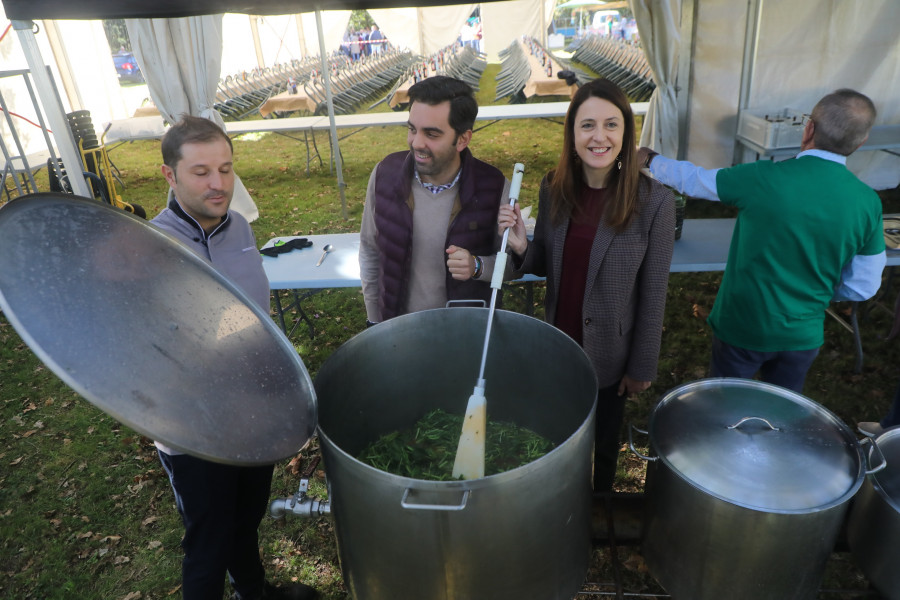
(772, 128)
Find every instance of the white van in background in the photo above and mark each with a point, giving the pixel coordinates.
(602, 22)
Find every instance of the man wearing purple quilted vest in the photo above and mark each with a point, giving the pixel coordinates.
(429, 227)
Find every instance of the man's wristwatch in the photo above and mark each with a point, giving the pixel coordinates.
(650, 156)
(479, 267)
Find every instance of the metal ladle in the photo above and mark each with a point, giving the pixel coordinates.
(328, 248)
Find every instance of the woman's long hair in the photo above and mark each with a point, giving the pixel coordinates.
(567, 179)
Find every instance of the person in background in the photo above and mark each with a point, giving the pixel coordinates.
(354, 45)
(221, 506)
(603, 238)
(808, 232)
(364, 37)
(375, 39)
(427, 234)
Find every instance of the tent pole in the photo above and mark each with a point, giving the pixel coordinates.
(300, 35)
(421, 31)
(254, 32)
(685, 80)
(543, 37)
(56, 116)
(748, 65)
(336, 154)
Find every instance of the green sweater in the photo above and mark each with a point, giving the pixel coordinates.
(800, 222)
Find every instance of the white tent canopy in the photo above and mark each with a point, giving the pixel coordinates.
(715, 58)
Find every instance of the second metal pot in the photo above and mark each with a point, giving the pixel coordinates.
(746, 491)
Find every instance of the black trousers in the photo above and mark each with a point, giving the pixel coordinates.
(221, 507)
(610, 414)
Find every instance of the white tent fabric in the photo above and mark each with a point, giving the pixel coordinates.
(658, 25)
(426, 30)
(238, 50)
(422, 30)
(806, 49)
(334, 24)
(280, 38)
(181, 60)
(503, 22)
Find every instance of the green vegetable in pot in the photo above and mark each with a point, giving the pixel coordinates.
(427, 450)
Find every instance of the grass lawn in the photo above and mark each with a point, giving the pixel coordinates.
(85, 508)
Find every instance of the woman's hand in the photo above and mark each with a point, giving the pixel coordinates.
(630, 387)
(511, 217)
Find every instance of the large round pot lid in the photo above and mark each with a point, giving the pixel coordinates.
(757, 445)
(150, 333)
(887, 481)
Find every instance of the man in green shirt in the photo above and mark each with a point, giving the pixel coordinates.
(808, 232)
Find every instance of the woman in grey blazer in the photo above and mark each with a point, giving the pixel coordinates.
(603, 239)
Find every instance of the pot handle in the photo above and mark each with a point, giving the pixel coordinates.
(418, 506)
(631, 428)
(745, 419)
(473, 301)
(875, 448)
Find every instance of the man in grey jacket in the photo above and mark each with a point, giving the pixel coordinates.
(221, 506)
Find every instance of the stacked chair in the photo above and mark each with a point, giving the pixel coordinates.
(515, 68)
(355, 82)
(454, 60)
(514, 73)
(241, 95)
(465, 64)
(618, 61)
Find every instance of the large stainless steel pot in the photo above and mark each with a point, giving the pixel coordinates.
(525, 533)
(150, 333)
(873, 528)
(746, 491)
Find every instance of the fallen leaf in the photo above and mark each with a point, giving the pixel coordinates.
(17, 461)
(132, 596)
(700, 311)
(149, 521)
(121, 560)
(154, 544)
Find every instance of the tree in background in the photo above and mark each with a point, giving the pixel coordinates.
(359, 20)
(117, 35)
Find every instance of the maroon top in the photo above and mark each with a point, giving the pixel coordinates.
(576, 257)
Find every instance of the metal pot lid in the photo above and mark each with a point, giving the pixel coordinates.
(887, 481)
(757, 445)
(150, 333)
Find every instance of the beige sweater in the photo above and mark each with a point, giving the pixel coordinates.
(427, 282)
